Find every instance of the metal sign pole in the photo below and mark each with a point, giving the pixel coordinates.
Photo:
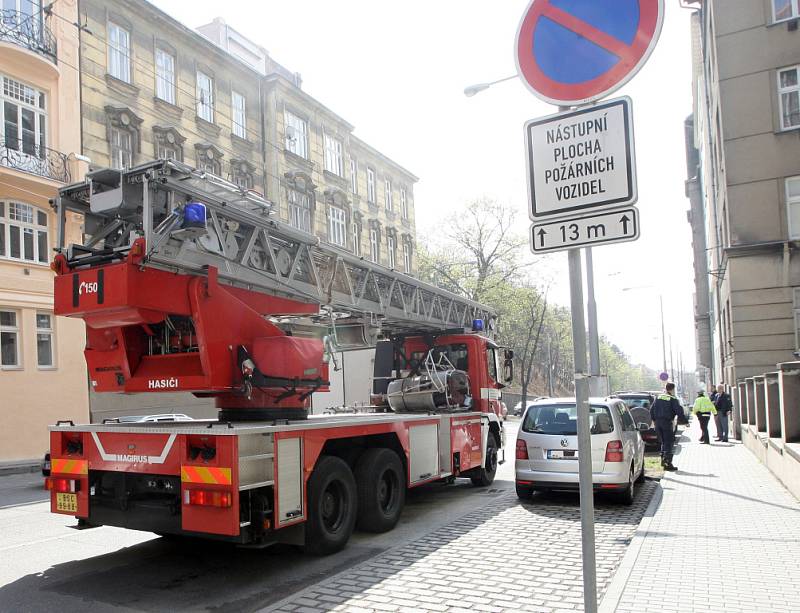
(584, 436)
(594, 340)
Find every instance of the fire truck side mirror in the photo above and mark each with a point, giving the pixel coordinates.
(508, 366)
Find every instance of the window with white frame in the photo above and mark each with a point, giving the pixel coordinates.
(45, 357)
(353, 175)
(356, 239)
(374, 245)
(24, 118)
(789, 93)
(388, 197)
(23, 233)
(793, 206)
(9, 339)
(121, 140)
(167, 151)
(370, 185)
(403, 203)
(239, 115)
(299, 210)
(390, 248)
(337, 226)
(333, 156)
(205, 97)
(785, 9)
(407, 257)
(296, 134)
(119, 52)
(165, 76)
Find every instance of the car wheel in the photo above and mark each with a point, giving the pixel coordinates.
(332, 506)
(627, 495)
(486, 474)
(524, 492)
(640, 478)
(381, 484)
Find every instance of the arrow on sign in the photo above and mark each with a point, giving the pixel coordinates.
(542, 234)
(624, 221)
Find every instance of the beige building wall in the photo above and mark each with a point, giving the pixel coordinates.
(42, 370)
(128, 117)
(375, 216)
(748, 156)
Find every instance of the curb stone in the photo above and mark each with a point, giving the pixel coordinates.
(615, 589)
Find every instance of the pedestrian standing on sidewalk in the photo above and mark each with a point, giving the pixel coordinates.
(713, 397)
(703, 408)
(724, 406)
(663, 412)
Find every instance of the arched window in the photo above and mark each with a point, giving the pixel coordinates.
(23, 233)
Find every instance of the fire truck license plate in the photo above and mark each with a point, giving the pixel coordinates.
(67, 502)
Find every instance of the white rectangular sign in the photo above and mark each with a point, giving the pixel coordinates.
(581, 160)
(617, 226)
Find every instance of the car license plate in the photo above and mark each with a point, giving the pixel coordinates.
(67, 502)
(562, 454)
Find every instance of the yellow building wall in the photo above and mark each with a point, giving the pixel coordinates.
(31, 398)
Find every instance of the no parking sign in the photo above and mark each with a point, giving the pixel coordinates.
(572, 52)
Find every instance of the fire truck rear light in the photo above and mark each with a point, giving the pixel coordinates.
(522, 450)
(62, 485)
(614, 452)
(207, 498)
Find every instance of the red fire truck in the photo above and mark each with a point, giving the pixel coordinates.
(187, 282)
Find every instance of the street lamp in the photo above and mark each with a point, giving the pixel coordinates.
(479, 87)
(661, 304)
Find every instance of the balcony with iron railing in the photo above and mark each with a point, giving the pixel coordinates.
(34, 159)
(28, 31)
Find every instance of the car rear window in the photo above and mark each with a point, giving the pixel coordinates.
(635, 403)
(562, 419)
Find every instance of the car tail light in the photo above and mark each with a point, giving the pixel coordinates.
(522, 449)
(614, 451)
(62, 485)
(207, 498)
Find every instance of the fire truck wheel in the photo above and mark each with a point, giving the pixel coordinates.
(485, 475)
(332, 506)
(381, 490)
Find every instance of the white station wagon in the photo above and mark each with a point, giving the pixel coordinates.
(547, 448)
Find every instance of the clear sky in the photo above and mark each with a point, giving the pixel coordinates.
(397, 70)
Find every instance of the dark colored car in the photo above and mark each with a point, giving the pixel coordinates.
(638, 404)
(46, 465)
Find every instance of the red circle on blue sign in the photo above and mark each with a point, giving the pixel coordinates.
(572, 52)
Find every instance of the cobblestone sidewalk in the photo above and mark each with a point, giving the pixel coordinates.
(504, 556)
(726, 530)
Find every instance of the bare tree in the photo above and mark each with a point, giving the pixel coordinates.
(480, 252)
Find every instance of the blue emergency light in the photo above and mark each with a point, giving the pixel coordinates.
(477, 325)
(194, 215)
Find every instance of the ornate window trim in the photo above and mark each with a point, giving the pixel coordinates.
(209, 158)
(125, 120)
(242, 173)
(168, 138)
(300, 182)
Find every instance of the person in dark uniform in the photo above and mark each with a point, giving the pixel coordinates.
(724, 407)
(663, 413)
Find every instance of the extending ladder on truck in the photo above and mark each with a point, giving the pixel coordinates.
(251, 248)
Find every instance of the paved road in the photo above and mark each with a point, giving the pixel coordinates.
(455, 548)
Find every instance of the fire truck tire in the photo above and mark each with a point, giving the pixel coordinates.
(381, 490)
(485, 475)
(332, 506)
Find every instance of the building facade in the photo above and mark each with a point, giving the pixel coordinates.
(42, 371)
(745, 192)
(151, 87)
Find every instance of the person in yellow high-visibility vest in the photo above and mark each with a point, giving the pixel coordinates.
(704, 409)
